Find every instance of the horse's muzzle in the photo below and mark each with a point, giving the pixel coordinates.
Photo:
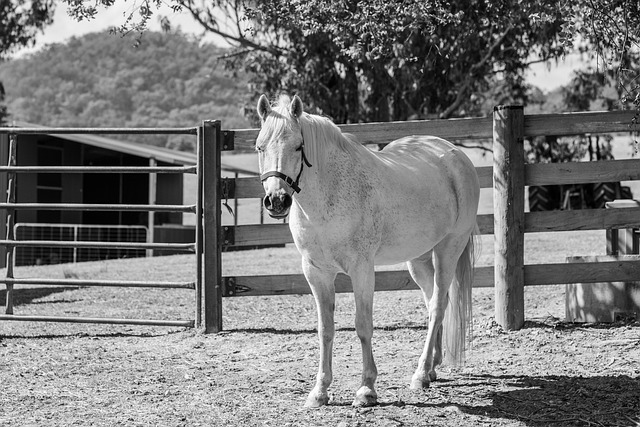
(277, 205)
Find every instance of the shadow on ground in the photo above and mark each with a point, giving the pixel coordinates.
(561, 400)
(24, 296)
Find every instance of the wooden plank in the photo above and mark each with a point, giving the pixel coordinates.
(535, 222)
(582, 172)
(508, 208)
(375, 133)
(578, 123)
(296, 284)
(485, 223)
(452, 129)
(484, 277)
(584, 219)
(602, 301)
(608, 269)
(485, 176)
(261, 234)
(475, 128)
(277, 234)
(251, 187)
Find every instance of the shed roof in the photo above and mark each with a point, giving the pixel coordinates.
(138, 149)
(126, 147)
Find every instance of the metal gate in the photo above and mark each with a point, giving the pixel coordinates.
(76, 233)
(208, 138)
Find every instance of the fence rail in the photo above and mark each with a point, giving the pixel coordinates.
(508, 177)
(99, 169)
(192, 130)
(98, 320)
(98, 207)
(106, 283)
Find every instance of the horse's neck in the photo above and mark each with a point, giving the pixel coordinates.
(330, 179)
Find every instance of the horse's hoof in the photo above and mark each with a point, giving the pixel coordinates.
(316, 400)
(365, 397)
(420, 383)
(433, 376)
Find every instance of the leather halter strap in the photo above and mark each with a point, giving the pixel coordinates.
(290, 182)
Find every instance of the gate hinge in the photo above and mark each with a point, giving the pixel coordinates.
(228, 138)
(231, 289)
(228, 188)
(228, 236)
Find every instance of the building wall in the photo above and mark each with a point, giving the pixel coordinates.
(34, 150)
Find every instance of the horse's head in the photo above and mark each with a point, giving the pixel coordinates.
(281, 157)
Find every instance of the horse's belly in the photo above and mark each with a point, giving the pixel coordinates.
(400, 244)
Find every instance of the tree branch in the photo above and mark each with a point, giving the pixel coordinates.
(462, 93)
(239, 39)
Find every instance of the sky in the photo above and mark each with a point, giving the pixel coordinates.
(64, 27)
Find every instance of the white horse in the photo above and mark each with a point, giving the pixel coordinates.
(351, 208)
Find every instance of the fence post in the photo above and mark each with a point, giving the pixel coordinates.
(153, 198)
(211, 182)
(11, 198)
(508, 214)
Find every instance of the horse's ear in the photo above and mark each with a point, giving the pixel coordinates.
(264, 108)
(296, 108)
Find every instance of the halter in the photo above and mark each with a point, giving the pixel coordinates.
(293, 184)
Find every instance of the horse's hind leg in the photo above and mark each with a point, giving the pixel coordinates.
(422, 272)
(445, 260)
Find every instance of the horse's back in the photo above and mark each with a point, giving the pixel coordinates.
(423, 156)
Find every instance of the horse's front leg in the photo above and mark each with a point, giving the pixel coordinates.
(363, 280)
(323, 289)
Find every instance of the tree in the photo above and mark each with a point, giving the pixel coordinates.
(607, 32)
(170, 80)
(395, 59)
(20, 21)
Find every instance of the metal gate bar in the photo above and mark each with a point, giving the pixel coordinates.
(11, 244)
(98, 207)
(186, 247)
(100, 169)
(103, 131)
(110, 283)
(145, 322)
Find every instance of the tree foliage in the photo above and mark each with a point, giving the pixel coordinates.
(20, 21)
(382, 60)
(394, 60)
(607, 34)
(403, 59)
(100, 80)
(399, 59)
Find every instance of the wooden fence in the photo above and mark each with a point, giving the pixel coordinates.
(508, 177)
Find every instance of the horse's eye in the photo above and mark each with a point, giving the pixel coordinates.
(259, 149)
(299, 148)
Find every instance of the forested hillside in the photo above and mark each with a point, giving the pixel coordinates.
(103, 80)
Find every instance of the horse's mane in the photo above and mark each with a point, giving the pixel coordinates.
(318, 132)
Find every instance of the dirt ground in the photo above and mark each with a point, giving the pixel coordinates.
(259, 371)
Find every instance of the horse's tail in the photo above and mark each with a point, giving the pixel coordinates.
(457, 321)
